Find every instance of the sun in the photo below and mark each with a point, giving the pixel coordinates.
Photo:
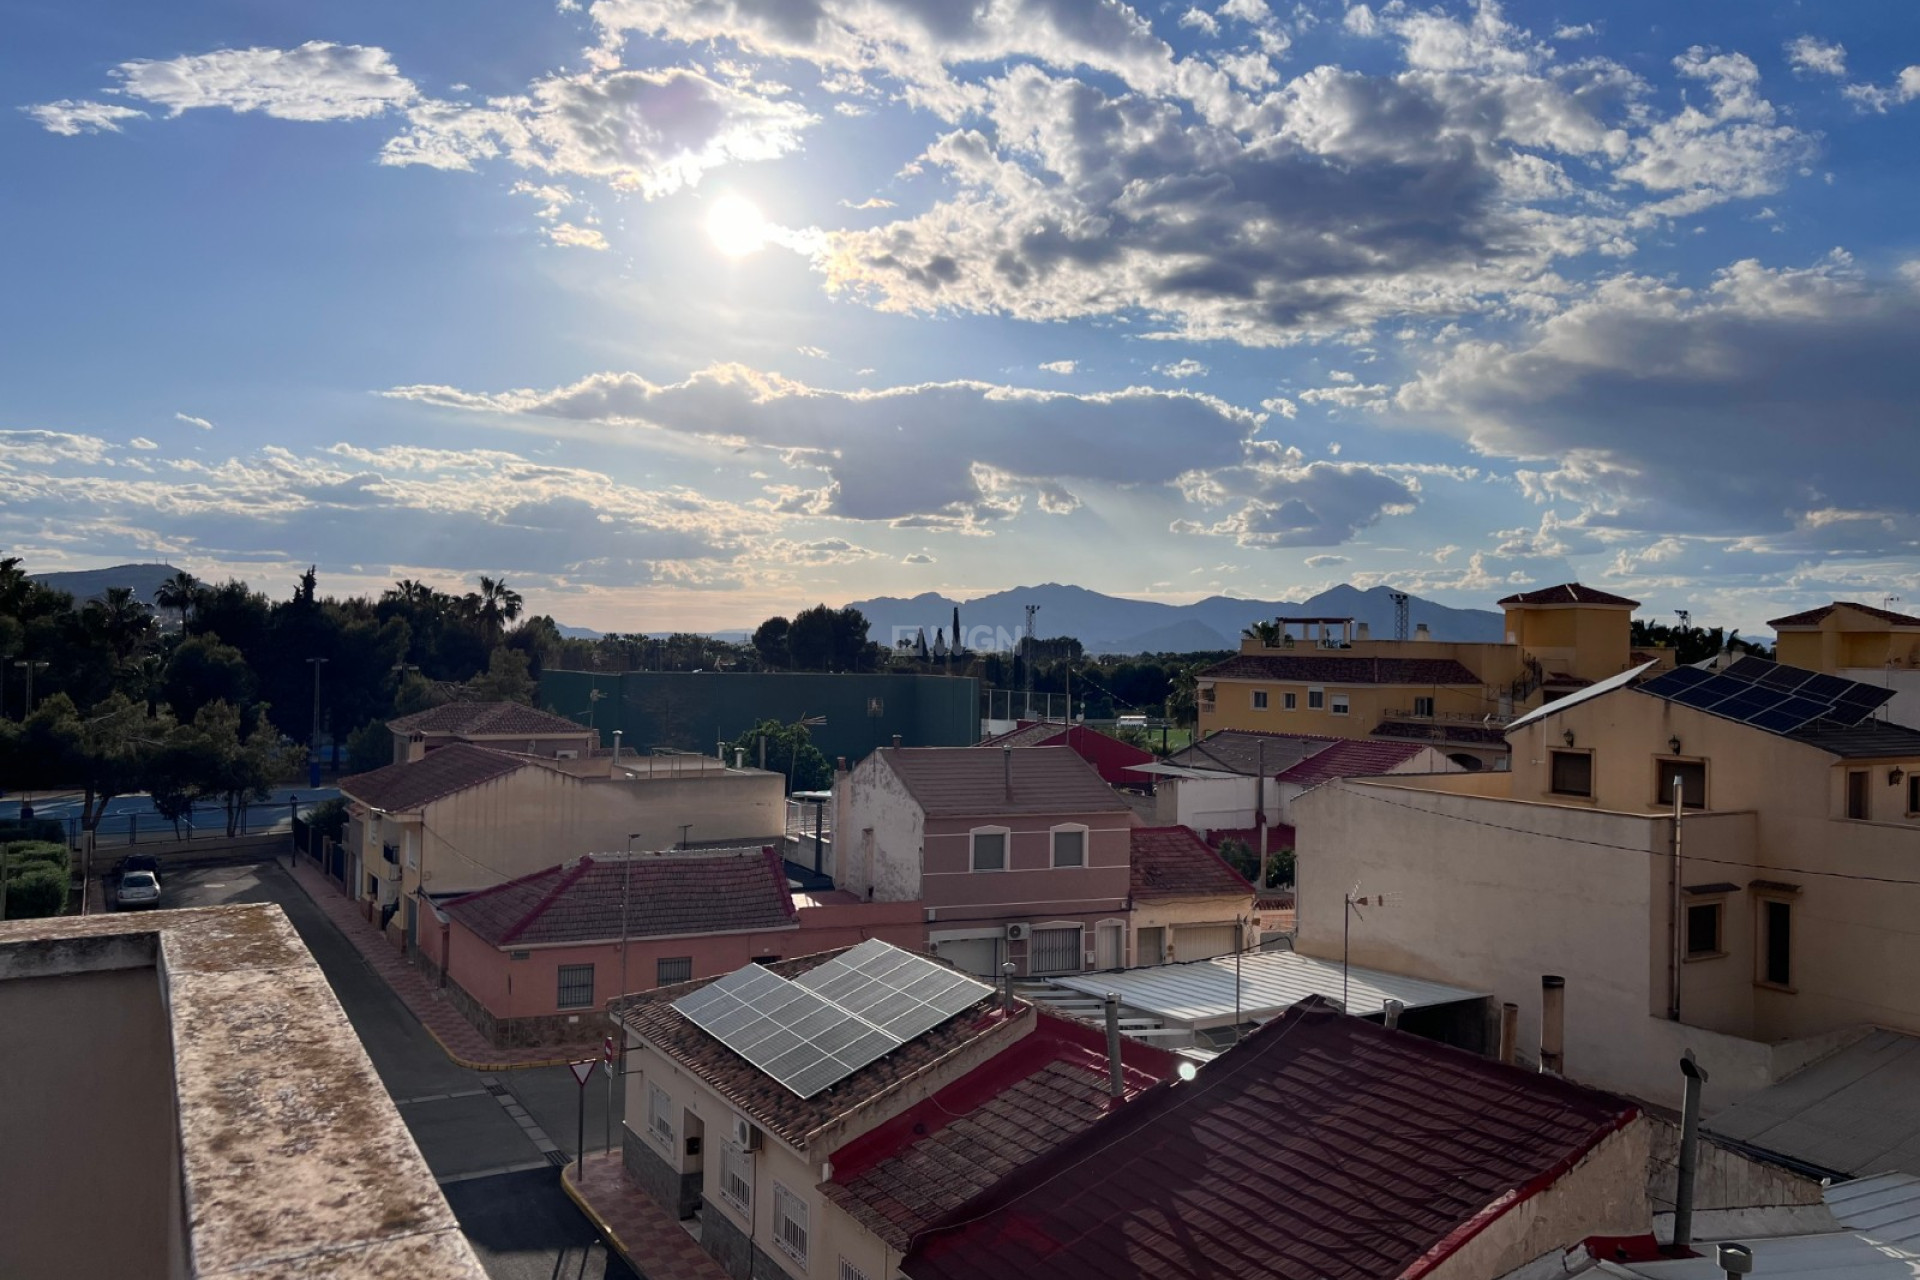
(735, 226)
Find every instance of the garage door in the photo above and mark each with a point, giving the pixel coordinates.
(1202, 941)
(978, 956)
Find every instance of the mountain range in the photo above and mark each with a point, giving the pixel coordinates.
(91, 584)
(1114, 624)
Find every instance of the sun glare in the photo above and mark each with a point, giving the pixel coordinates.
(735, 226)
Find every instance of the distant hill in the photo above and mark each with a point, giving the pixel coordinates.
(1113, 624)
(92, 584)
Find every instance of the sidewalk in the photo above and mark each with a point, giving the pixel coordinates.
(638, 1229)
(446, 1024)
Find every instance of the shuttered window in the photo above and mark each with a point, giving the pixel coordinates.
(1056, 950)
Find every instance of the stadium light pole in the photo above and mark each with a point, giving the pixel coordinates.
(626, 890)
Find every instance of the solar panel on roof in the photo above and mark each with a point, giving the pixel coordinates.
(1751, 669)
(1743, 706)
(799, 1038)
(895, 990)
(1842, 714)
(1698, 696)
(1824, 687)
(1788, 678)
(1866, 695)
(1770, 696)
(1778, 720)
(1680, 677)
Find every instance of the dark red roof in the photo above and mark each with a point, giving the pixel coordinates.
(1569, 593)
(402, 788)
(1111, 757)
(1814, 617)
(1352, 758)
(902, 1176)
(486, 720)
(1279, 836)
(1325, 668)
(771, 1104)
(1320, 1146)
(966, 782)
(1041, 733)
(666, 895)
(1173, 862)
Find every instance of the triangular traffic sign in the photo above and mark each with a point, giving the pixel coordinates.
(583, 1070)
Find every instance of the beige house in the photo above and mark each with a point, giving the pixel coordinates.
(1188, 904)
(507, 726)
(1770, 922)
(1858, 642)
(463, 818)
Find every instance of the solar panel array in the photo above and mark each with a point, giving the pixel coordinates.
(840, 1016)
(1767, 695)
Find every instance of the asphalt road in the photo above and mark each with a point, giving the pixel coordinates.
(479, 1131)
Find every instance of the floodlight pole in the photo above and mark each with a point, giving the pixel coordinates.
(626, 893)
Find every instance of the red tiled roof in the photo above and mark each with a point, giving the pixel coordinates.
(904, 1175)
(1352, 758)
(1315, 668)
(1173, 862)
(966, 782)
(1814, 617)
(1279, 836)
(487, 719)
(1249, 751)
(772, 1105)
(666, 895)
(1041, 733)
(402, 788)
(1320, 1146)
(1569, 593)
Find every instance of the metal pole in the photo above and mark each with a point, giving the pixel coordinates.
(1116, 1080)
(313, 736)
(1346, 936)
(626, 891)
(1689, 1151)
(1678, 940)
(581, 1141)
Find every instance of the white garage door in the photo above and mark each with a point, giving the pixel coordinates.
(978, 956)
(1202, 941)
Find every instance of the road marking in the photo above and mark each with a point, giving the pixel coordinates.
(438, 1097)
(496, 1171)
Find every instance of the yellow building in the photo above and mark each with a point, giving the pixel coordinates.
(1329, 676)
(1858, 642)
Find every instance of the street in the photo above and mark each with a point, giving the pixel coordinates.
(489, 1137)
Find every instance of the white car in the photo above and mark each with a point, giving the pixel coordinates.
(139, 889)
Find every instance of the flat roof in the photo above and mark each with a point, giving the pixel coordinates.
(1852, 1112)
(1200, 993)
(1881, 1241)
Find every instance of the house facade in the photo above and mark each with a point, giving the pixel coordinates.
(505, 726)
(1017, 855)
(1211, 786)
(1188, 904)
(1764, 925)
(1857, 642)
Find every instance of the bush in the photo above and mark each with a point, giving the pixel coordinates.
(37, 890)
(21, 854)
(329, 819)
(32, 829)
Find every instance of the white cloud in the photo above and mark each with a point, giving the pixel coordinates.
(1324, 562)
(1359, 19)
(192, 421)
(1188, 368)
(1571, 31)
(871, 202)
(316, 81)
(815, 353)
(141, 442)
(1200, 20)
(568, 236)
(1350, 395)
(1282, 406)
(1873, 97)
(1278, 501)
(1814, 55)
(1060, 366)
(917, 557)
(69, 117)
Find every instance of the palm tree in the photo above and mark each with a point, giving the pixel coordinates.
(122, 621)
(496, 605)
(178, 593)
(1266, 632)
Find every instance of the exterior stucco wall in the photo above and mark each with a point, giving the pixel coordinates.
(1367, 705)
(740, 804)
(877, 833)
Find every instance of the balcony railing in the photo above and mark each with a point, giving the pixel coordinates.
(1492, 719)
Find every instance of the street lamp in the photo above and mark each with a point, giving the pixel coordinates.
(313, 745)
(29, 668)
(626, 890)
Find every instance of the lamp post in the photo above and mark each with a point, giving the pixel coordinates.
(626, 891)
(313, 744)
(29, 668)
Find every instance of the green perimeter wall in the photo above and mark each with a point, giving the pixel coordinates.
(693, 710)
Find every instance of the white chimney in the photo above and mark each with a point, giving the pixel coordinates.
(1420, 632)
(1362, 632)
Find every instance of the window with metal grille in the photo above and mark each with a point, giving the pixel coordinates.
(576, 986)
(1259, 699)
(1777, 959)
(660, 1114)
(1069, 847)
(1692, 777)
(790, 1223)
(1572, 773)
(989, 851)
(672, 969)
(1056, 950)
(1703, 930)
(736, 1178)
(1316, 699)
(850, 1272)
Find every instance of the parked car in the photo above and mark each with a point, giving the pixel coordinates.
(139, 889)
(140, 862)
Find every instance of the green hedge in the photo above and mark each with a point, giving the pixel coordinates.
(23, 853)
(32, 829)
(38, 889)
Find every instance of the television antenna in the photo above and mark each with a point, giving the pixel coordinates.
(1354, 903)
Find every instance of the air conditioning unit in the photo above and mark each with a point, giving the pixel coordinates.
(745, 1136)
(1018, 932)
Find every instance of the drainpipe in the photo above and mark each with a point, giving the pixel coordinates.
(1116, 1082)
(1678, 940)
(1509, 1031)
(1006, 769)
(1689, 1152)
(1260, 803)
(1553, 1013)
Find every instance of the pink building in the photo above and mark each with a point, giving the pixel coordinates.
(534, 960)
(1018, 854)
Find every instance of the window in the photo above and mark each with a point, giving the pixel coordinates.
(850, 1272)
(1316, 699)
(1913, 793)
(413, 853)
(1289, 701)
(576, 986)
(790, 1223)
(1572, 773)
(990, 850)
(1692, 777)
(668, 969)
(1857, 806)
(660, 1115)
(1339, 707)
(1069, 846)
(1259, 699)
(1703, 930)
(1776, 958)
(1055, 950)
(1423, 707)
(736, 1178)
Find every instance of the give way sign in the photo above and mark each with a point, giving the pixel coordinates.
(582, 1070)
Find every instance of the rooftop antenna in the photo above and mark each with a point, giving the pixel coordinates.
(1887, 602)
(1354, 903)
(1686, 618)
(1032, 609)
(1399, 599)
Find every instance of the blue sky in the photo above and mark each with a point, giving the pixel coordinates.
(682, 312)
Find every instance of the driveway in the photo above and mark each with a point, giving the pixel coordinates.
(483, 1134)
